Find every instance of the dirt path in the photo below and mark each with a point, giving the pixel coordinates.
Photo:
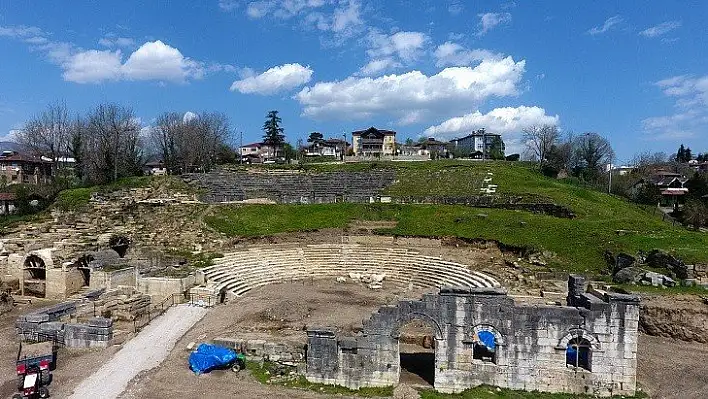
(147, 350)
(669, 368)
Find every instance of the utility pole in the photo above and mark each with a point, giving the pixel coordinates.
(115, 154)
(240, 144)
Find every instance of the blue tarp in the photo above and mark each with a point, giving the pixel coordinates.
(487, 339)
(208, 357)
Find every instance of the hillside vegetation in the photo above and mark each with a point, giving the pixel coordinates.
(578, 243)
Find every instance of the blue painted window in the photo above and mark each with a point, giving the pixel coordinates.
(485, 347)
(577, 353)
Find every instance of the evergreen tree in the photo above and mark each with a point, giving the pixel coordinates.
(681, 154)
(496, 150)
(315, 137)
(687, 156)
(274, 134)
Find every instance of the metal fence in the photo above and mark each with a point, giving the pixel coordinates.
(153, 311)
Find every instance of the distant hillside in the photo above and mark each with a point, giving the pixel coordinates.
(10, 146)
(602, 221)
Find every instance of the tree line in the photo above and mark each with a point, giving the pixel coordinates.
(108, 142)
(584, 156)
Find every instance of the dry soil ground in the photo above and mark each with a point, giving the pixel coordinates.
(667, 368)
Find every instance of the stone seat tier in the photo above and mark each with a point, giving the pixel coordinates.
(242, 271)
(238, 286)
(417, 275)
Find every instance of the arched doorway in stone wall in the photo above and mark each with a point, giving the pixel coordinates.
(83, 265)
(34, 276)
(416, 349)
(418, 336)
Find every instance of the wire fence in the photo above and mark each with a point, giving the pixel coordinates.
(144, 318)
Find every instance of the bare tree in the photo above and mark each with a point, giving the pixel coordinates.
(190, 144)
(591, 153)
(112, 146)
(539, 140)
(48, 134)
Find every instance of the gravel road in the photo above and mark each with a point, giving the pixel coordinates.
(145, 351)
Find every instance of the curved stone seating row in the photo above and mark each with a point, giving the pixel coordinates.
(325, 187)
(241, 271)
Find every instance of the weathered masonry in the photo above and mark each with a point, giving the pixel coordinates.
(483, 337)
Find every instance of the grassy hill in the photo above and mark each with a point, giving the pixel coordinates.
(578, 243)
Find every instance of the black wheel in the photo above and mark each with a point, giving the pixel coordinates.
(236, 367)
(20, 383)
(43, 392)
(45, 377)
(17, 396)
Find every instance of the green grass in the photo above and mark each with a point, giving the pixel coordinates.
(73, 199)
(578, 243)
(261, 372)
(76, 198)
(485, 392)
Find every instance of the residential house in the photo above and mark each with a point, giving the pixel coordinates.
(7, 203)
(477, 144)
(256, 152)
(374, 142)
(671, 186)
(155, 168)
(327, 148)
(16, 168)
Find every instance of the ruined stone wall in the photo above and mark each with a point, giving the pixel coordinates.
(531, 343)
(63, 282)
(160, 287)
(108, 280)
(50, 324)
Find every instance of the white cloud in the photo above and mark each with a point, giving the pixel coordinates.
(454, 54)
(392, 51)
(691, 102)
(159, 61)
(455, 7)
(341, 17)
(189, 116)
(346, 17)
(375, 67)
(609, 24)
(661, 29)
(412, 96)
(491, 20)
(506, 120)
(276, 79)
(229, 5)
(93, 66)
(151, 61)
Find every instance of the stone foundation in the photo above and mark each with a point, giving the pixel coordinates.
(47, 325)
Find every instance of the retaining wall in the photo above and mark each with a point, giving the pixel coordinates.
(112, 279)
(160, 287)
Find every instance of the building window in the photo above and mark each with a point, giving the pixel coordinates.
(485, 346)
(577, 353)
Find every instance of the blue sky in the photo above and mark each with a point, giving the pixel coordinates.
(634, 71)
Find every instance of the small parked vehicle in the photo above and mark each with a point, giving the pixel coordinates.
(34, 365)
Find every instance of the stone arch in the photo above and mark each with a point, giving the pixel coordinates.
(119, 244)
(580, 333)
(498, 337)
(408, 317)
(35, 266)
